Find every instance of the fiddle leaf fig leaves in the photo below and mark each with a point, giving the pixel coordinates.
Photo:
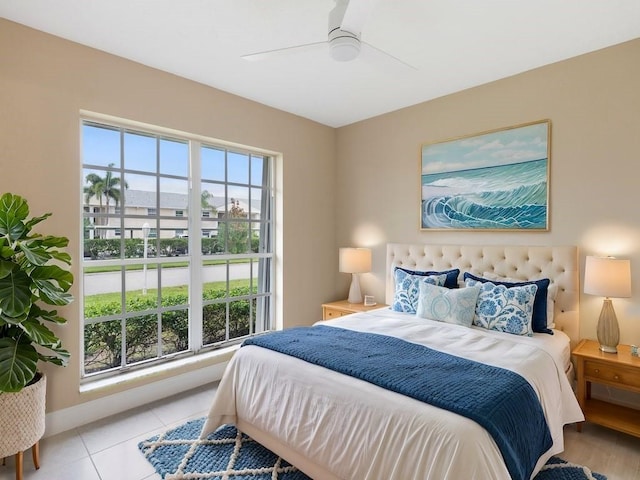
(30, 273)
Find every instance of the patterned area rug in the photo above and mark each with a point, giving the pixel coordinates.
(227, 454)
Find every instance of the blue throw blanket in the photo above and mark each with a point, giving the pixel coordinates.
(499, 400)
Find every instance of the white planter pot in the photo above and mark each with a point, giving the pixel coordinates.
(22, 418)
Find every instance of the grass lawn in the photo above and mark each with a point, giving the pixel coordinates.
(99, 298)
(116, 268)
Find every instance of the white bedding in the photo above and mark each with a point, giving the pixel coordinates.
(334, 426)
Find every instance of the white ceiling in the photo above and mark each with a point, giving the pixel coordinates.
(452, 44)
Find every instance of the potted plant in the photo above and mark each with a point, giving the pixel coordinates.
(33, 276)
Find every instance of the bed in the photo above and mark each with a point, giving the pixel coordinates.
(331, 425)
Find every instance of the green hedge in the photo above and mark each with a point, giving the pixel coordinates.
(103, 341)
(101, 248)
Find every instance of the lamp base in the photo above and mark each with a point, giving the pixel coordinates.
(606, 349)
(608, 330)
(355, 295)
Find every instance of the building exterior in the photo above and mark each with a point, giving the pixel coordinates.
(171, 220)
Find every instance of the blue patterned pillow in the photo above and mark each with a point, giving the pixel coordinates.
(455, 306)
(539, 319)
(450, 282)
(407, 289)
(504, 309)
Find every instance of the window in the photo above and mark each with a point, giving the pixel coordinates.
(160, 284)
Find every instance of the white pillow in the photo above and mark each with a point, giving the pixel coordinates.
(456, 306)
(504, 309)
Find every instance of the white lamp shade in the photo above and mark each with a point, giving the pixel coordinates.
(607, 277)
(355, 260)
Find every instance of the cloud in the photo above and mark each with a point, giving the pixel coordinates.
(492, 145)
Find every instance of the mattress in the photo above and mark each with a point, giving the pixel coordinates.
(334, 426)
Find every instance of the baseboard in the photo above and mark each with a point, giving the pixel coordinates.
(87, 412)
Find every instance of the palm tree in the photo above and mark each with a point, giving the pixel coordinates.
(94, 189)
(107, 187)
(205, 198)
(111, 189)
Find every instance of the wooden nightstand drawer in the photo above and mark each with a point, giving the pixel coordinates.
(334, 313)
(341, 308)
(612, 373)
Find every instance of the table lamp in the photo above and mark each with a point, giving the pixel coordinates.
(355, 261)
(607, 277)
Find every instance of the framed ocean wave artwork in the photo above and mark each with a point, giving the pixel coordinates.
(495, 180)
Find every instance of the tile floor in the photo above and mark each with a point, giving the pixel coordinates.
(107, 449)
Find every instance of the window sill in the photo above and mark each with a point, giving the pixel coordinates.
(158, 372)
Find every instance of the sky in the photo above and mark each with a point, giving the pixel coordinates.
(513, 145)
(101, 147)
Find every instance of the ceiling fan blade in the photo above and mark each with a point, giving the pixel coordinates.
(374, 55)
(356, 15)
(281, 52)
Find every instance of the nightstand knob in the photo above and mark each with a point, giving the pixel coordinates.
(616, 377)
(597, 370)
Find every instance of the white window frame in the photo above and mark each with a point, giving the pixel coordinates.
(195, 225)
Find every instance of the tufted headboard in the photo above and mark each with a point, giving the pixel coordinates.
(558, 264)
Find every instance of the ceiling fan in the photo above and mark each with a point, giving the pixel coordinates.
(346, 21)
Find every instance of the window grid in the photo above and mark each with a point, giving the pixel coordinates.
(131, 238)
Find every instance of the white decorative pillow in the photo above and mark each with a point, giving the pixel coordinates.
(447, 305)
(551, 304)
(504, 309)
(407, 289)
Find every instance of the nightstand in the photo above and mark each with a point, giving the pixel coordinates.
(341, 308)
(618, 370)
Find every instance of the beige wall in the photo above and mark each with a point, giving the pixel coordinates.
(593, 102)
(44, 83)
(369, 197)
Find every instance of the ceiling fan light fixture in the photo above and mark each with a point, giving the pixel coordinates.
(343, 46)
